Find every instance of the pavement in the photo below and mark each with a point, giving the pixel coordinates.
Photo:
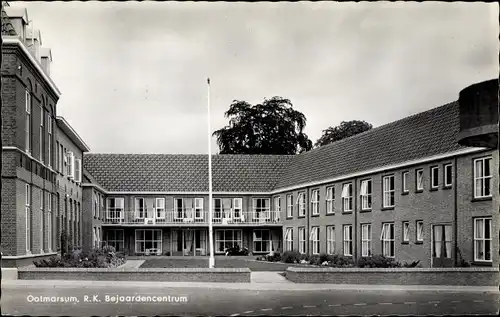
(98, 298)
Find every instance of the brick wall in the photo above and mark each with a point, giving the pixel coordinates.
(434, 276)
(215, 275)
(9, 216)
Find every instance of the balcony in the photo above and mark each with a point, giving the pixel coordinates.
(191, 218)
(479, 115)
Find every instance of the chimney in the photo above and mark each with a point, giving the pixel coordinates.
(34, 42)
(18, 18)
(46, 57)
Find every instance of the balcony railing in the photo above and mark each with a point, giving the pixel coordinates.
(191, 217)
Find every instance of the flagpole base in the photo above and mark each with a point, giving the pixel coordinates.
(211, 262)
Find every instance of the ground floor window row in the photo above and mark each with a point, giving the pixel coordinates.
(189, 241)
(441, 236)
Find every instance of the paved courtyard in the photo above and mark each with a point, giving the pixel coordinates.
(220, 262)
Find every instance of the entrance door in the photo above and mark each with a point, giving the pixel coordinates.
(441, 246)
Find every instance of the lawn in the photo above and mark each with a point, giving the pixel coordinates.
(220, 262)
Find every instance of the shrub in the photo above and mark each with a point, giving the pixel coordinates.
(412, 264)
(315, 260)
(274, 257)
(304, 256)
(99, 258)
(291, 257)
(340, 261)
(378, 261)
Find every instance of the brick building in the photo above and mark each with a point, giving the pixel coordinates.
(407, 189)
(34, 185)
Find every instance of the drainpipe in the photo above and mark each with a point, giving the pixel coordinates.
(455, 210)
(308, 211)
(355, 233)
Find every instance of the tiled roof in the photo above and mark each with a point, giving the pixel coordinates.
(421, 135)
(185, 172)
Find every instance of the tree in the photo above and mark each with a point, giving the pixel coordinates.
(272, 127)
(342, 131)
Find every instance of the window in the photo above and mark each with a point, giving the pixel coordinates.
(347, 197)
(94, 237)
(28, 217)
(276, 208)
(49, 143)
(366, 240)
(261, 240)
(302, 240)
(448, 174)
(49, 229)
(387, 238)
(78, 170)
(301, 202)
(42, 201)
(115, 211)
(366, 194)
(261, 209)
(227, 238)
(315, 202)
(289, 239)
(27, 123)
(148, 241)
(482, 177)
(388, 190)
(289, 205)
(314, 238)
(217, 212)
(420, 179)
(198, 208)
(71, 164)
(405, 182)
(330, 200)
(441, 233)
(101, 201)
(57, 156)
(348, 240)
(482, 239)
(115, 238)
(41, 134)
(434, 177)
(420, 231)
(95, 204)
(62, 158)
(406, 231)
(160, 207)
(330, 239)
(140, 208)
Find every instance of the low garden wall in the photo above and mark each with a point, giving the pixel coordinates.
(216, 275)
(396, 276)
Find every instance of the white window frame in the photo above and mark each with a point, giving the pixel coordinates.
(480, 181)
(330, 200)
(49, 230)
(314, 238)
(347, 197)
(289, 205)
(406, 231)
(366, 194)
(49, 129)
(78, 170)
(256, 238)
(419, 230)
(330, 239)
(233, 242)
(113, 242)
(28, 217)
(347, 240)
(389, 199)
(315, 202)
(434, 178)
(198, 208)
(480, 242)
(101, 205)
(139, 213)
(387, 240)
(419, 179)
(41, 134)
(366, 239)
(448, 182)
(117, 211)
(71, 164)
(289, 239)
(159, 240)
(27, 130)
(94, 204)
(301, 204)
(217, 214)
(62, 158)
(404, 177)
(276, 207)
(263, 212)
(160, 207)
(302, 240)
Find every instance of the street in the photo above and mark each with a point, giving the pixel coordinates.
(242, 302)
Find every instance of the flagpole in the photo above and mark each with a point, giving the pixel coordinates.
(211, 261)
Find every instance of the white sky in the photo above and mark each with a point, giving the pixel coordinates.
(133, 75)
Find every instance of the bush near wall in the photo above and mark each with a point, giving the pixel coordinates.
(105, 257)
